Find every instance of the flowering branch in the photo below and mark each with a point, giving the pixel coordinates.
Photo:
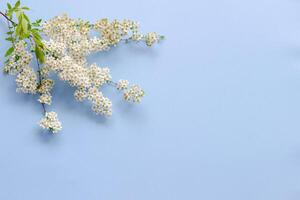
(64, 54)
(19, 12)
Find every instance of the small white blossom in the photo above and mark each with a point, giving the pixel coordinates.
(151, 38)
(134, 94)
(101, 104)
(75, 74)
(27, 81)
(80, 94)
(19, 59)
(45, 98)
(45, 86)
(122, 84)
(51, 122)
(55, 48)
(98, 76)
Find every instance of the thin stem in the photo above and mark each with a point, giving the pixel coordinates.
(40, 81)
(39, 76)
(114, 84)
(7, 18)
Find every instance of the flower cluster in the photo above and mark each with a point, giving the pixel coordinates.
(26, 81)
(151, 38)
(134, 94)
(101, 104)
(122, 84)
(45, 98)
(51, 122)
(19, 59)
(98, 76)
(66, 48)
(131, 94)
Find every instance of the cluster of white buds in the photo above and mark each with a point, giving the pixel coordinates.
(80, 94)
(131, 94)
(45, 98)
(26, 81)
(19, 59)
(99, 76)
(45, 86)
(101, 104)
(51, 122)
(151, 38)
(134, 94)
(66, 48)
(122, 84)
(44, 89)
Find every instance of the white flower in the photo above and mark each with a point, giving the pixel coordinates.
(45, 86)
(27, 81)
(45, 98)
(51, 122)
(151, 38)
(101, 104)
(76, 75)
(80, 94)
(98, 76)
(19, 59)
(134, 94)
(122, 84)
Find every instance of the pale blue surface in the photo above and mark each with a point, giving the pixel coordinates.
(220, 120)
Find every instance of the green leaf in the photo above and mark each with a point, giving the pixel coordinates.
(8, 6)
(35, 34)
(9, 51)
(17, 4)
(22, 28)
(27, 19)
(25, 8)
(9, 32)
(18, 14)
(10, 39)
(37, 23)
(39, 54)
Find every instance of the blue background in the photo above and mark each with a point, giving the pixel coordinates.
(220, 119)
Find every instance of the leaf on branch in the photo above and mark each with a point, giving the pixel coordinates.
(17, 4)
(9, 51)
(36, 36)
(25, 8)
(8, 6)
(23, 26)
(39, 54)
(25, 17)
(11, 39)
(37, 23)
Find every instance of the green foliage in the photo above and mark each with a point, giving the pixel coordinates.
(23, 29)
(9, 51)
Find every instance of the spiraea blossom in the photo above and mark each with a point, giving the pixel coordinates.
(134, 94)
(51, 122)
(122, 84)
(63, 51)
